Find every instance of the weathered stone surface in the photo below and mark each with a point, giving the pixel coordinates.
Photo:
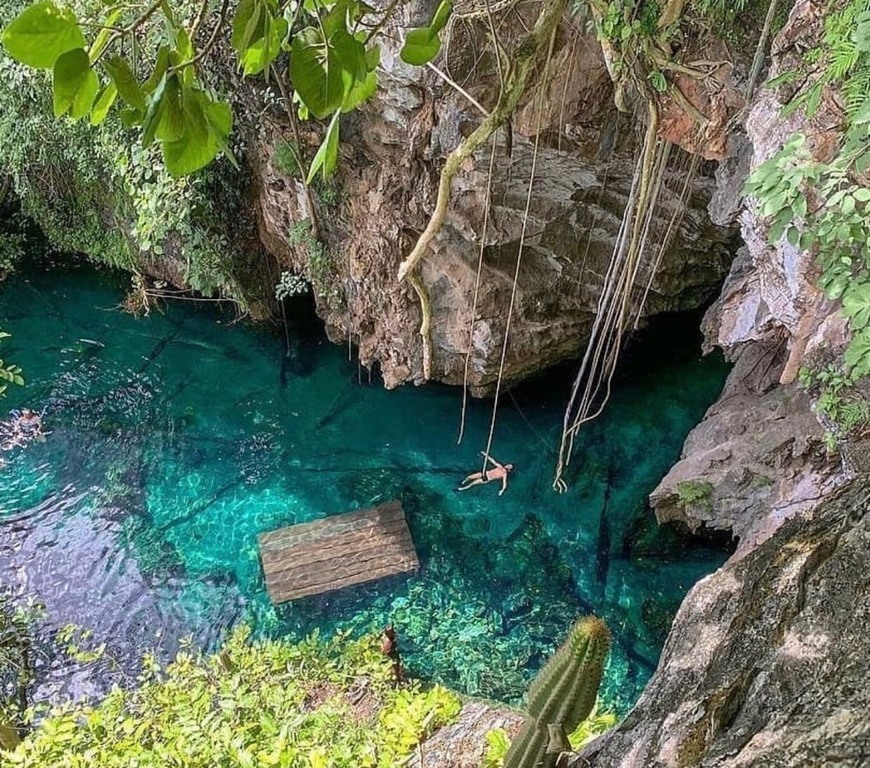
(766, 664)
(758, 455)
(392, 151)
(771, 292)
(463, 744)
(766, 661)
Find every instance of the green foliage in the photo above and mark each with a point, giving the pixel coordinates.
(17, 661)
(825, 206)
(599, 722)
(286, 159)
(264, 704)
(724, 11)
(562, 696)
(423, 43)
(9, 374)
(11, 251)
(169, 105)
(151, 55)
(327, 191)
(497, 745)
(41, 34)
(93, 191)
(694, 493)
(319, 267)
(845, 410)
(290, 285)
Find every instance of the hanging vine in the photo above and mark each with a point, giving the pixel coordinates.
(520, 68)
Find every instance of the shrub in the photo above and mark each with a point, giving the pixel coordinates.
(310, 704)
(694, 493)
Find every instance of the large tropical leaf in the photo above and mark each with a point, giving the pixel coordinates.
(41, 33)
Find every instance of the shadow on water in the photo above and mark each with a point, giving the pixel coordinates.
(177, 440)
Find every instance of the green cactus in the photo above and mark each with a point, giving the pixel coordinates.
(561, 696)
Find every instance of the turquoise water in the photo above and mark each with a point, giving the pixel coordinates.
(179, 437)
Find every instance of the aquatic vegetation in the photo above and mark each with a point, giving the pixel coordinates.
(297, 705)
(562, 696)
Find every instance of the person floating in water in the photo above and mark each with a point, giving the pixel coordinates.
(30, 423)
(498, 472)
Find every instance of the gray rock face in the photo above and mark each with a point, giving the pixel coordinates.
(392, 152)
(756, 459)
(766, 661)
(463, 744)
(766, 664)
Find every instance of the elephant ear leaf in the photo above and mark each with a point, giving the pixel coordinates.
(75, 84)
(41, 34)
(423, 43)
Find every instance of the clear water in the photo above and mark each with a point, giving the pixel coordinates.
(180, 439)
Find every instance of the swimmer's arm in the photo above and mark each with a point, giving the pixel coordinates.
(490, 459)
(503, 485)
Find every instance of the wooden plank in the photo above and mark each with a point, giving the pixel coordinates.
(362, 518)
(337, 552)
(331, 547)
(325, 574)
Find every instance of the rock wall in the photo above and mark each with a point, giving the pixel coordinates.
(391, 154)
(766, 660)
(760, 448)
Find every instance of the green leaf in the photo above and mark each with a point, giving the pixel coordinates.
(41, 33)
(183, 45)
(207, 127)
(160, 67)
(361, 92)
(857, 354)
(326, 157)
(126, 83)
(373, 58)
(421, 46)
(171, 122)
(260, 54)
(856, 305)
(104, 104)
(442, 15)
(75, 84)
(152, 114)
(862, 194)
(103, 37)
(323, 71)
(247, 25)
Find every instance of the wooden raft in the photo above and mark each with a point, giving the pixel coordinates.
(339, 551)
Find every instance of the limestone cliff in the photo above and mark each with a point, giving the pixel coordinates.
(765, 662)
(391, 154)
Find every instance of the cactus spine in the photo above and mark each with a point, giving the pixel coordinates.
(561, 696)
